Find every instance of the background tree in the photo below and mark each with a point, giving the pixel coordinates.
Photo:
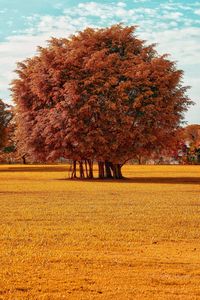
(6, 145)
(100, 95)
(192, 134)
(5, 118)
(191, 140)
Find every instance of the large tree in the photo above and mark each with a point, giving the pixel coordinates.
(100, 95)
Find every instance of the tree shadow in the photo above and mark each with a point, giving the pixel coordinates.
(165, 180)
(143, 180)
(30, 168)
(65, 169)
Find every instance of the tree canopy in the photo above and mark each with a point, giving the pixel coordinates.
(101, 95)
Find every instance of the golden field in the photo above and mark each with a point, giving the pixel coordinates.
(132, 239)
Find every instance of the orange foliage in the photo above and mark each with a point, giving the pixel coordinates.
(99, 95)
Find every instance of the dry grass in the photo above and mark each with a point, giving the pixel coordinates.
(134, 239)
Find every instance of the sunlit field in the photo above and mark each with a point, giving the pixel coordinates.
(137, 238)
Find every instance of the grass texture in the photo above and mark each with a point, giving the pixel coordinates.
(137, 238)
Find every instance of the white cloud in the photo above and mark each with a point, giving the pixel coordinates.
(92, 9)
(184, 7)
(172, 15)
(184, 47)
(182, 44)
(3, 11)
(140, 1)
(58, 5)
(121, 4)
(190, 80)
(195, 4)
(167, 7)
(173, 23)
(197, 12)
(14, 49)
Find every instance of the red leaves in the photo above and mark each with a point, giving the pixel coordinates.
(100, 95)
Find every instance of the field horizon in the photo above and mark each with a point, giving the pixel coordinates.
(137, 238)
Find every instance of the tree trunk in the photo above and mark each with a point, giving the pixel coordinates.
(117, 173)
(108, 167)
(139, 160)
(120, 176)
(105, 169)
(101, 169)
(24, 159)
(90, 163)
(86, 168)
(73, 175)
(81, 170)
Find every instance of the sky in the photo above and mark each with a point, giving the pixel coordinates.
(174, 25)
